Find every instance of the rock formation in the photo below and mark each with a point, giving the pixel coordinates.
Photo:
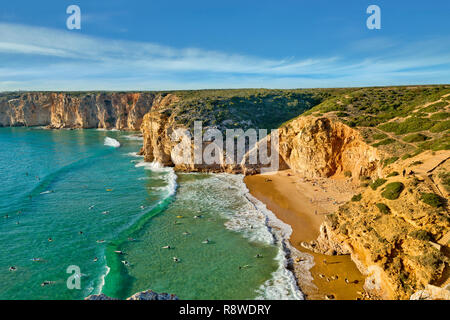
(400, 244)
(123, 111)
(320, 147)
(144, 295)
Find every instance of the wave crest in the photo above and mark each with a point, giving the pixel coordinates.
(110, 142)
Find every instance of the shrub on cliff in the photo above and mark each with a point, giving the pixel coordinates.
(389, 161)
(357, 197)
(377, 183)
(412, 124)
(383, 208)
(379, 136)
(421, 235)
(432, 199)
(383, 142)
(441, 126)
(415, 137)
(392, 190)
(445, 176)
(440, 116)
(393, 174)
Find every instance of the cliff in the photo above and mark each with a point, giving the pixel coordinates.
(320, 147)
(123, 111)
(397, 231)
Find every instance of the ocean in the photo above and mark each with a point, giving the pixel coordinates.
(85, 198)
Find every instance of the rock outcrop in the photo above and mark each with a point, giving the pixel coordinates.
(319, 147)
(397, 243)
(314, 147)
(123, 111)
(144, 295)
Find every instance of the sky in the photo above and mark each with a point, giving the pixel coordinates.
(197, 44)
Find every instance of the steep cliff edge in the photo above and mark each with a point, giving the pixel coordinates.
(397, 231)
(123, 111)
(320, 147)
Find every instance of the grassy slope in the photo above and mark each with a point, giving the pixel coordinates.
(402, 121)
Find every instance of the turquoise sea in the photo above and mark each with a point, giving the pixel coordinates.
(75, 198)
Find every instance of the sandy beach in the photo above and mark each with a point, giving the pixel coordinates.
(303, 203)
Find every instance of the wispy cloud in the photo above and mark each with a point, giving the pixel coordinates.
(63, 60)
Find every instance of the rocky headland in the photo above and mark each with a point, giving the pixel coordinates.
(390, 144)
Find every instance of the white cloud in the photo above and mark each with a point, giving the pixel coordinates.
(84, 62)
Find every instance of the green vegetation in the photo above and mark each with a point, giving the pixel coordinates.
(415, 137)
(442, 143)
(432, 199)
(348, 174)
(377, 183)
(379, 136)
(245, 108)
(383, 208)
(357, 197)
(440, 126)
(384, 142)
(440, 116)
(432, 259)
(416, 163)
(393, 174)
(412, 124)
(434, 107)
(389, 161)
(445, 179)
(421, 235)
(392, 190)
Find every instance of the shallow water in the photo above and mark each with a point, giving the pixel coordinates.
(91, 196)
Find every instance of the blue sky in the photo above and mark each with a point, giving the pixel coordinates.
(162, 45)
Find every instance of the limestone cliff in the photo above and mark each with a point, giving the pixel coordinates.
(398, 238)
(314, 147)
(123, 111)
(320, 147)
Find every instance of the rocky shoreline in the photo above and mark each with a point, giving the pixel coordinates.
(144, 295)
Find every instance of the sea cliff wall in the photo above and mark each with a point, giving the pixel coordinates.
(122, 111)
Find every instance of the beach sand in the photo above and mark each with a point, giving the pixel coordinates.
(303, 203)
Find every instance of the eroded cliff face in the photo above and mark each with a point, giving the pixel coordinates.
(123, 111)
(313, 147)
(401, 245)
(319, 147)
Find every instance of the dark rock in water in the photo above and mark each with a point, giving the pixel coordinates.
(144, 295)
(100, 296)
(151, 295)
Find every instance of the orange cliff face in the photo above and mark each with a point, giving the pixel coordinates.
(123, 111)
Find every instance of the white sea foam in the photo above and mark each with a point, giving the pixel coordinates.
(134, 154)
(102, 279)
(134, 137)
(169, 175)
(111, 142)
(250, 217)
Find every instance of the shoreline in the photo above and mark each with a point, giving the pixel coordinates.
(302, 204)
